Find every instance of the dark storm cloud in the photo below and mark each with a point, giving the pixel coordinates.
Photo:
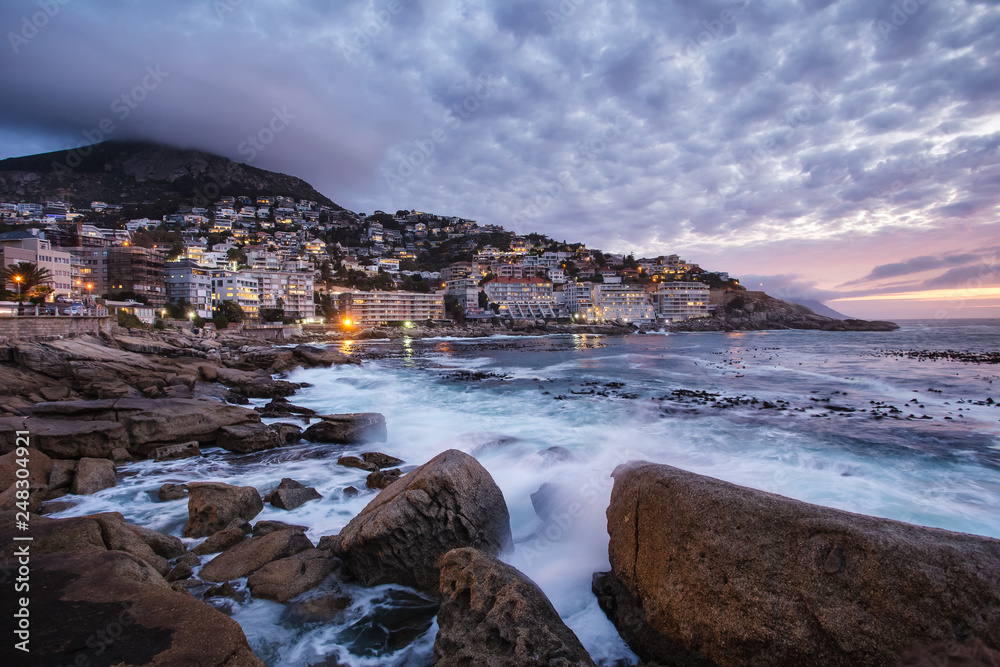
(636, 125)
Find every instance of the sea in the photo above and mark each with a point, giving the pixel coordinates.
(869, 422)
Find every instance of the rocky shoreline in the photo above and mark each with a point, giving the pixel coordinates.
(703, 572)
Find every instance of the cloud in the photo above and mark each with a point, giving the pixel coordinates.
(639, 125)
(914, 265)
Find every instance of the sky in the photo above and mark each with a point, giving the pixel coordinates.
(839, 151)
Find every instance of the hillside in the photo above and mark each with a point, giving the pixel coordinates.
(756, 311)
(126, 171)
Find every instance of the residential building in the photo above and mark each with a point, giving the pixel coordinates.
(580, 300)
(524, 298)
(188, 282)
(291, 291)
(22, 246)
(677, 301)
(138, 270)
(371, 308)
(234, 286)
(628, 303)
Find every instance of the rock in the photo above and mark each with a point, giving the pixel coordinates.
(162, 544)
(179, 572)
(380, 460)
(93, 475)
(220, 541)
(54, 393)
(284, 579)
(62, 439)
(170, 452)
(280, 407)
(223, 590)
(265, 527)
(250, 555)
(447, 503)
(246, 438)
(288, 434)
(13, 498)
(738, 576)
(350, 491)
(212, 505)
(291, 494)
(348, 429)
(172, 492)
(75, 534)
(209, 372)
(355, 462)
(62, 473)
(545, 500)
(381, 479)
(316, 356)
(950, 654)
(113, 603)
(491, 614)
(325, 608)
(39, 468)
(121, 455)
(118, 535)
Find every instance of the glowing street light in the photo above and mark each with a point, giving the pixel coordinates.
(18, 279)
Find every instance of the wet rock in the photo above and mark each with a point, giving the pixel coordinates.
(291, 494)
(738, 576)
(381, 479)
(316, 356)
(223, 590)
(250, 555)
(118, 535)
(246, 438)
(220, 541)
(76, 439)
(350, 491)
(951, 654)
(181, 451)
(280, 407)
(288, 434)
(348, 429)
(355, 462)
(172, 492)
(212, 505)
(13, 498)
(284, 579)
(491, 614)
(62, 473)
(162, 544)
(93, 475)
(380, 460)
(179, 572)
(556, 454)
(323, 608)
(39, 468)
(545, 501)
(111, 601)
(448, 503)
(265, 527)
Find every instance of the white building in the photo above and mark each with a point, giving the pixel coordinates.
(677, 301)
(234, 286)
(189, 282)
(17, 247)
(368, 308)
(628, 303)
(579, 300)
(291, 291)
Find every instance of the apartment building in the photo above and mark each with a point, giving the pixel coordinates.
(137, 270)
(579, 300)
(678, 301)
(234, 286)
(525, 298)
(372, 308)
(617, 301)
(189, 282)
(17, 247)
(290, 290)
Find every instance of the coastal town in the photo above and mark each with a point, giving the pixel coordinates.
(270, 259)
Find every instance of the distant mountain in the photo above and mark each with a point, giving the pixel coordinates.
(819, 308)
(130, 171)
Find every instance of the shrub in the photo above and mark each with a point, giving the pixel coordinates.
(159, 325)
(198, 321)
(129, 321)
(220, 322)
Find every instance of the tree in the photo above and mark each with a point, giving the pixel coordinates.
(326, 271)
(39, 293)
(237, 255)
(231, 311)
(24, 276)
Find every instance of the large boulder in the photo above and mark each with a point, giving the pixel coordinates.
(291, 494)
(65, 439)
(108, 607)
(286, 578)
(162, 544)
(250, 555)
(118, 535)
(213, 505)
(320, 356)
(492, 614)
(93, 475)
(714, 571)
(448, 503)
(246, 438)
(348, 429)
(39, 468)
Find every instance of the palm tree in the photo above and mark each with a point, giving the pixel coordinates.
(26, 275)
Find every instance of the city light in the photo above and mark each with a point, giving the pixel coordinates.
(347, 321)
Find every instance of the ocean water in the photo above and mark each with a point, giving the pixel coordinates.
(832, 418)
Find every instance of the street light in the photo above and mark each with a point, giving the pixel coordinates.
(18, 279)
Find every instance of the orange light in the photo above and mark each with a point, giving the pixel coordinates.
(347, 321)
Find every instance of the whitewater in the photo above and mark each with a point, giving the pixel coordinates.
(832, 418)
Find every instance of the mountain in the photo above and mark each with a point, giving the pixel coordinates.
(819, 308)
(756, 311)
(132, 171)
